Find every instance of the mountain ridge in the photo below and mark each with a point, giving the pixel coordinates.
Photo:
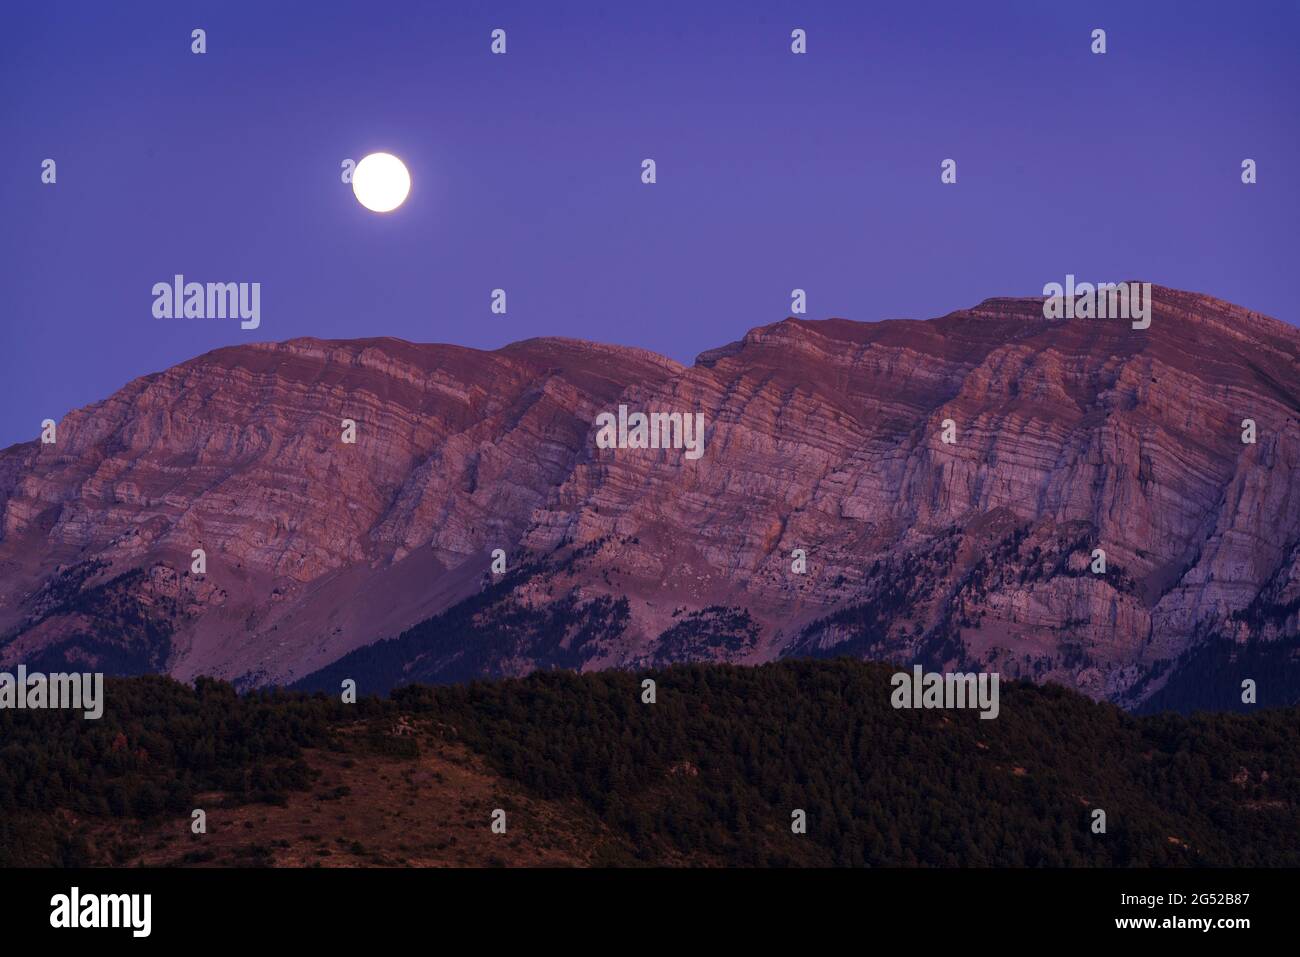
(822, 435)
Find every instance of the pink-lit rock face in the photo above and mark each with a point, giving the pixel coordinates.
(820, 435)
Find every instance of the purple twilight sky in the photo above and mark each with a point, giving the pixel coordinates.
(775, 170)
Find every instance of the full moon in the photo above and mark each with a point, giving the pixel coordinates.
(381, 182)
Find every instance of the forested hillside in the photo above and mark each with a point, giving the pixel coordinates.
(708, 774)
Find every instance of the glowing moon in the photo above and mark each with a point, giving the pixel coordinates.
(381, 182)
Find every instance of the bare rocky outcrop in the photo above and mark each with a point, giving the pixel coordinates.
(825, 436)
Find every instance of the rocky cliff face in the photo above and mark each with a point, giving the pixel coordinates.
(825, 437)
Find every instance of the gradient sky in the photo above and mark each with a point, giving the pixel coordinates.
(775, 171)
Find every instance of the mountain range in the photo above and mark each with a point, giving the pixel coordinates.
(931, 491)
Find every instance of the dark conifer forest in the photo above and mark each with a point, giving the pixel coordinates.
(710, 773)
